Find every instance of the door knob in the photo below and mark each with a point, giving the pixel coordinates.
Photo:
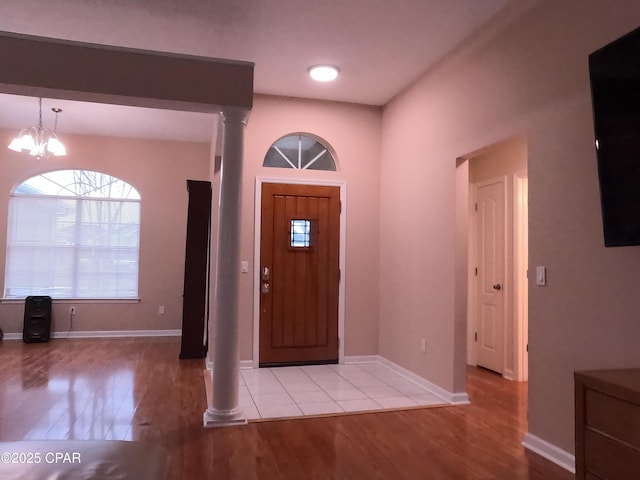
(497, 286)
(266, 288)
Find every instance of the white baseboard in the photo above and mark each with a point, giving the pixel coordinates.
(454, 398)
(244, 364)
(13, 336)
(460, 398)
(361, 359)
(449, 397)
(105, 334)
(118, 334)
(550, 452)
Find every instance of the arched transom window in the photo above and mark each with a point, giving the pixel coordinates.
(301, 152)
(73, 234)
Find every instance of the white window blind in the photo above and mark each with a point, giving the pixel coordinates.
(73, 246)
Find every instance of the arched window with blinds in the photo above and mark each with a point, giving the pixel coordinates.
(73, 234)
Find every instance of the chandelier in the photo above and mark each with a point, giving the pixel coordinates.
(39, 142)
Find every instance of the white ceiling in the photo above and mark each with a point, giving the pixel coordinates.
(84, 118)
(381, 46)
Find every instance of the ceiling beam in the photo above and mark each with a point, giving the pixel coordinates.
(44, 67)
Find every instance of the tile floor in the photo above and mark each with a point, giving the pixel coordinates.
(327, 389)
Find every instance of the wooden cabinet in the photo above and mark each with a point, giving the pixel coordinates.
(195, 300)
(607, 424)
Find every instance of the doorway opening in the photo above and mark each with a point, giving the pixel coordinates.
(497, 296)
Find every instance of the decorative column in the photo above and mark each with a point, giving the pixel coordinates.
(226, 357)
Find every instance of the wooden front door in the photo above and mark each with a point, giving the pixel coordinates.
(299, 274)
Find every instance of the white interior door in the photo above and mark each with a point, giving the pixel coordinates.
(490, 228)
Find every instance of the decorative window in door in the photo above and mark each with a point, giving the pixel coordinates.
(300, 233)
(301, 152)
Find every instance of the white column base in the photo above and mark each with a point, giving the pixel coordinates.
(213, 418)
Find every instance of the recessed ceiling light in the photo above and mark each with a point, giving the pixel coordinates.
(323, 73)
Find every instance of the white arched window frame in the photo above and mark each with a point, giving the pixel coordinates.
(300, 151)
(73, 234)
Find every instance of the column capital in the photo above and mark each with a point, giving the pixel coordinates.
(234, 115)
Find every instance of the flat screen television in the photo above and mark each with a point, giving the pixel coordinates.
(615, 93)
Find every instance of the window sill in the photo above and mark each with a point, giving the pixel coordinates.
(79, 301)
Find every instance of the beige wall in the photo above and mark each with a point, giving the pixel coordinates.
(528, 79)
(158, 170)
(354, 133)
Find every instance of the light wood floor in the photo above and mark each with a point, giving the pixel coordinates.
(137, 389)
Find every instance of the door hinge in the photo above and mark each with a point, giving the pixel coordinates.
(527, 348)
(340, 203)
(339, 275)
(476, 207)
(476, 271)
(475, 336)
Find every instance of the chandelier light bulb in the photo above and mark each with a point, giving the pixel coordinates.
(38, 141)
